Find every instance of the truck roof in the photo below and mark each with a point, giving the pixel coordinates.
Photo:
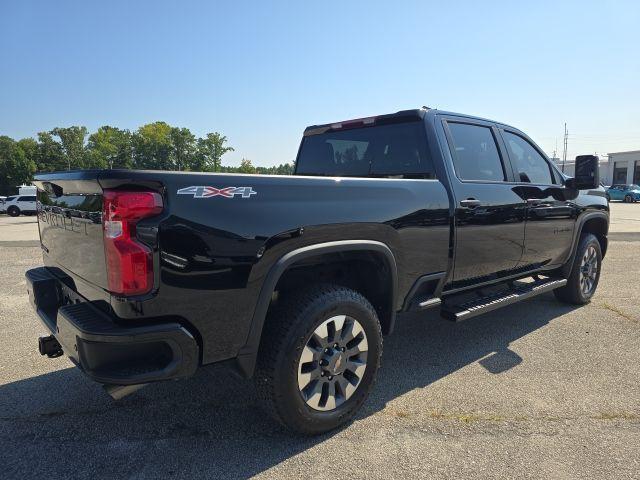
(397, 117)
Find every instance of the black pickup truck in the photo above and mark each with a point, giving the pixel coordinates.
(293, 280)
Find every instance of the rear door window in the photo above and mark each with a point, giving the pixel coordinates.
(530, 166)
(475, 153)
(391, 151)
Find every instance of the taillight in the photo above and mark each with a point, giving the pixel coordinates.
(129, 262)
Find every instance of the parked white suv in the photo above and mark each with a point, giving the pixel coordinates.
(18, 204)
(3, 203)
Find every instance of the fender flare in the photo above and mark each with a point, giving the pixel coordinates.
(577, 233)
(247, 355)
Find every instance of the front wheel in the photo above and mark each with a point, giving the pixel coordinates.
(585, 272)
(318, 358)
(628, 199)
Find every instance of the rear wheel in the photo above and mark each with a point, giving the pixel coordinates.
(318, 358)
(585, 272)
(13, 211)
(628, 199)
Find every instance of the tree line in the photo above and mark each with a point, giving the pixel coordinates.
(155, 146)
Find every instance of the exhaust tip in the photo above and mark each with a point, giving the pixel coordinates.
(49, 346)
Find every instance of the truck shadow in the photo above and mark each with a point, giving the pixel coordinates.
(210, 425)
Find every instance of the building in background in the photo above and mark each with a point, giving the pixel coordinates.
(624, 167)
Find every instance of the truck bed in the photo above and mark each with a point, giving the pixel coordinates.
(212, 247)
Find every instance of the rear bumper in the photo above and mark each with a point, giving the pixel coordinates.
(107, 352)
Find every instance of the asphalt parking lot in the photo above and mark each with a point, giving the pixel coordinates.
(538, 389)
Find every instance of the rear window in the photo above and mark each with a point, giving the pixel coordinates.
(27, 199)
(391, 151)
(476, 155)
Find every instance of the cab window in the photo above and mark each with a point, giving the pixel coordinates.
(475, 153)
(530, 166)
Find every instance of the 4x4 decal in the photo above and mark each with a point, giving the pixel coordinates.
(226, 192)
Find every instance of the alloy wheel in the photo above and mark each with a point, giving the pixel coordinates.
(588, 270)
(332, 363)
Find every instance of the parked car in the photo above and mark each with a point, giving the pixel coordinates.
(20, 204)
(3, 203)
(293, 280)
(626, 193)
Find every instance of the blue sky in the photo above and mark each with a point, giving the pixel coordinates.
(259, 72)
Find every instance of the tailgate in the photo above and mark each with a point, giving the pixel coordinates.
(70, 223)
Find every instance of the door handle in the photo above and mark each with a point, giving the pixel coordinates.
(470, 203)
(533, 201)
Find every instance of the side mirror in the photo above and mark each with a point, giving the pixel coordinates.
(587, 173)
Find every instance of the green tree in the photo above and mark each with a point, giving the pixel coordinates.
(7, 153)
(110, 147)
(30, 148)
(246, 166)
(282, 169)
(50, 156)
(152, 146)
(183, 150)
(72, 141)
(156, 145)
(209, 153)
(15, 166)
(286, 168)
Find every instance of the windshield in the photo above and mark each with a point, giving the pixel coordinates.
(395, 150)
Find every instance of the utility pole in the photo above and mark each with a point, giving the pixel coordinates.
(564, 155)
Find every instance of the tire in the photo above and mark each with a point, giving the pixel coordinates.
(628, 199)
(290, 337)
(13, 211)
(608, 197)
(583, 279)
